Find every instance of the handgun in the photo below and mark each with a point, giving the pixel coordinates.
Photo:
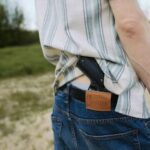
(92, 70)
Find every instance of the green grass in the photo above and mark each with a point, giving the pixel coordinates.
(23, 104)
(22, 99)
(23, 60)
(6, 130)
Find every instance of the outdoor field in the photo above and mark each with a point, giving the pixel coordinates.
(97, 29)
(26, 98)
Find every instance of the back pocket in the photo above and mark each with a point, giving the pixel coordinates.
(125, 141)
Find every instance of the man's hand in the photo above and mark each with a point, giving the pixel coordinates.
(134, 31)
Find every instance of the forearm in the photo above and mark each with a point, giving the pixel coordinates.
(137, 47)
(133, 29)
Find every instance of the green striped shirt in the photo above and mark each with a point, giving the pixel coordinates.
(70, 28)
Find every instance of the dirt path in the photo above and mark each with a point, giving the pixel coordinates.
(32, 133)
(25, 113)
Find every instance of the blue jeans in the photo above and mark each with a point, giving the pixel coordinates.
(77, 128)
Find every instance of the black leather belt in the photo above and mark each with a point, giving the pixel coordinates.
(80, 94)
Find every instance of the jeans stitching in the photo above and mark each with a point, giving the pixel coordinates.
(74, 136)
(114, 136)
(109, 137)
(55, 118)
(138, 141)
(101, 121)
(94, 121)
(61, 94)
(61, 111)
(58, 122)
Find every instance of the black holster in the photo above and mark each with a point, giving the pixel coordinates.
(90, 67)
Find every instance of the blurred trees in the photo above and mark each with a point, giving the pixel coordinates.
(12, 20)
(11, 28)
(17, 19)
(4, 19)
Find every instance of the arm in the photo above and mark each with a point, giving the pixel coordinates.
(134, 32)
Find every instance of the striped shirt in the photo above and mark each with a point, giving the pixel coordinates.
(70, 28)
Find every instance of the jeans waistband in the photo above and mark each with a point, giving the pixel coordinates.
(80, 94)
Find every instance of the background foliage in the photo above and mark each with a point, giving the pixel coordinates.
(23, 60)
(26, 96)
(11, 28)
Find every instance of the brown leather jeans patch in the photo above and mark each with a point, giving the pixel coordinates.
(99, 101)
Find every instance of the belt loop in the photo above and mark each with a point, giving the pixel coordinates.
(68, 99)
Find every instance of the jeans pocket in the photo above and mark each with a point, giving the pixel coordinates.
(124, 140)
(56, 125)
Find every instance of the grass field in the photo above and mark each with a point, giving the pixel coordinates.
(25, 107)
(22, 60)
(26, 98)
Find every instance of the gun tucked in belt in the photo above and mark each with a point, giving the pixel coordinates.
(91, 69)
(98, 98)
(100, 101)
